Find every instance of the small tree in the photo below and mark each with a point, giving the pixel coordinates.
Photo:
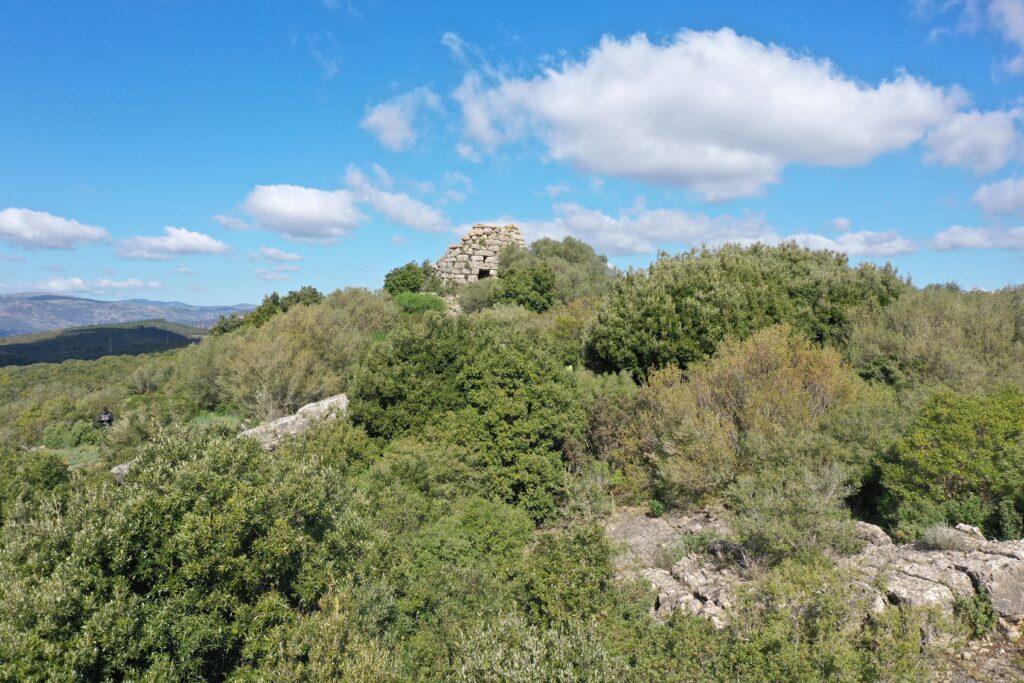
(407, 278)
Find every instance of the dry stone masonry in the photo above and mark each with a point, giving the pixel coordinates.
(476, 256)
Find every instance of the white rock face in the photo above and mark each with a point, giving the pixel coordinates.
(270, 434)
(886, 574)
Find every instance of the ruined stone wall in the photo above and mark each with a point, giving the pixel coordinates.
(476, 256)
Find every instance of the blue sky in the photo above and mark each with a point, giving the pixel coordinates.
(212, 152)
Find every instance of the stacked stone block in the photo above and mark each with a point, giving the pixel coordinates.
(476, 256)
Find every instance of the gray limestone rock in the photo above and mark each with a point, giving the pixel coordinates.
(270, 434)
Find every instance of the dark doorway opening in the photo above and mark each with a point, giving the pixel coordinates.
(484, 274)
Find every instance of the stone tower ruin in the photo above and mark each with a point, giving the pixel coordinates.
(476, 256)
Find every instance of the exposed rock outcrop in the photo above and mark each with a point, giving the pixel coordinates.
(476, 256)
(885, 573)
(270, 434)
(120, 472)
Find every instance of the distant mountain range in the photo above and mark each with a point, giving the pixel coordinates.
(31, 313)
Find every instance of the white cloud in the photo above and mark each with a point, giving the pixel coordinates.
(862, 243)
(396, 206)
(711, 111)
(393, 121)
(174, 242)
(184, 270)
(77, 285)
(640, 230)
(231, 222)
(959, 237)
(304, 213)
(457, 186)
(456, 45)
(979, 142)
(272, 254)
(41, 230)
(841, 224)
(1003, 198)
(1007, 17)
(398, 240)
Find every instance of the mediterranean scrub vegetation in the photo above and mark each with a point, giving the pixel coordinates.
(449, 527)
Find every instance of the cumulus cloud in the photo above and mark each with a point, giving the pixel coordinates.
(641, 230)
(174, 242)
(304, 213)
(959, 237)
(395, 206)
(714, 112)
(77, 285)
(1007, 16)
(41, 230)
(979, 142)
(1005, 197)
(273, 254)
(862, 243)
(393, 121)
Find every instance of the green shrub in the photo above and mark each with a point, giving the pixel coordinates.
(961, 459)
(680, 308)
(412, 302)
(975, 614)
(407, 278)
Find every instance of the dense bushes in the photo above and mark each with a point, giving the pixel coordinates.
(961, 461)
(682, 307)
(549, 272)
(484, 382)
(451, 527)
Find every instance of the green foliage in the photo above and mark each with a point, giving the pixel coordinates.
(731, 415)
(408, 278)
(792, 512)
(272, 305)
(941, 336)
(530, 286)
(488, 380)
(413, 302)
(679, 310)
(657, 508)
(961, 461)
(28, 478)
(69, 436)
(975, 614)
(549, 272)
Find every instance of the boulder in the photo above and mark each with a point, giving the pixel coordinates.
(871, 534)
(270, 434)
(120, 472)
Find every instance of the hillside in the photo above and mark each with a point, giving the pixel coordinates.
(88, 343)
(742, 464)
(33, 312)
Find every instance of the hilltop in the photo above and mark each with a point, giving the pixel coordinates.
(96, 341)
(28, 313)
